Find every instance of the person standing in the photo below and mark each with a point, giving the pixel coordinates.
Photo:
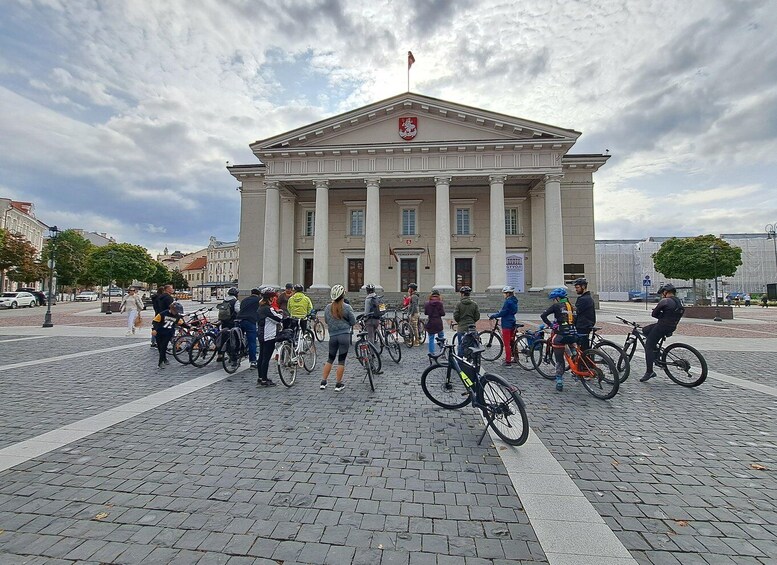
(163, 328)
(585, 320)
(465, 314)
(747, 299)
(668, 311)
(247, 319)
(435, 310)
(507, 314)
(372, 313)
(132, 305)
(161, 302)
(300, 306)
(563, 328)
(764, 301)
(268, 319)
(283, 298)
(340, 318)
(413, 312)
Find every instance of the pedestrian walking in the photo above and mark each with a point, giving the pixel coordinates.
(434, 310)
(340, 318)
(747, 299)
(132, 305)
(163, 328)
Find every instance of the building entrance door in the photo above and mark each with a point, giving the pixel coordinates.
(355, 274)
(408, 273)
(463, 273)
(307, 270)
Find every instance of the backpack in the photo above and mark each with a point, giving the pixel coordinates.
(378, 307)
(226, 310)
(566, 324)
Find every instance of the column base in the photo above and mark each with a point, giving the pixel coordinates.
(552, 286)
(319, 287)
(495, 288)
(536, 289)
(443, 288)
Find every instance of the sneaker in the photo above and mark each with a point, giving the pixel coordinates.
(167, 362)
(153, 346)
(339, 386)
(162, 366)
(253, 365)
(322, 386)
(506, 363)
(647, 376)
(267, 382)
(559, 384)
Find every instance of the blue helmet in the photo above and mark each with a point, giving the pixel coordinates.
(557, 293)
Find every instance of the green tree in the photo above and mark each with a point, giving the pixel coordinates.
(122, 262)
(159, 276)
(178, 281)
(71, 255)
(18, 259)
(692, 258)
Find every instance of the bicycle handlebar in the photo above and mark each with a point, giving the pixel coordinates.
(625, 321)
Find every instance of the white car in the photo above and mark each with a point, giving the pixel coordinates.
(86, 296)
(16, 299)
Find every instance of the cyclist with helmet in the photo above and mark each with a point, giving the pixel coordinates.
(507, 314)
(435, 310)
(585, 320)
(234, 308)
(300, 306)
(465, 314)
(564, 326)
(668, 311)
(413, 311)
(372, 312)
(267, 330)
(340, 318)
(247, 319)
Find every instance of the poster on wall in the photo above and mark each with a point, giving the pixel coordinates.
(515, 271)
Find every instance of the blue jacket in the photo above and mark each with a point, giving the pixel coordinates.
(507, 313)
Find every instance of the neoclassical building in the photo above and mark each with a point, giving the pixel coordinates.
(417, 189)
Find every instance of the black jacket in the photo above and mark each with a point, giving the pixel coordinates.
(668, 311)
(249, 309)
(586, 313)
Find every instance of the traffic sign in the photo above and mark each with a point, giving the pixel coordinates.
(647, 282)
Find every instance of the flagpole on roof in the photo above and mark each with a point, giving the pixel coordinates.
(410, 61)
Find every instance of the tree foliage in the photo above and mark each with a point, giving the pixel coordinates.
(122, 262)
(159, 275)
(19, 258)
(178, 281)
(692, 258)
(71, 255)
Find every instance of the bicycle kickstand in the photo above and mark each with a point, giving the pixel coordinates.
(485, 431)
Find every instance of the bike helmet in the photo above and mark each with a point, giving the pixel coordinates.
(289, 286)
(668, 287)
(369, 287)
(557, 293)
(257, 291)
(337, 291)
(413, 286)
(298, 288)
(580, 281)
(178, 307)
(465, 290)
(232, 291)
(269, 293)
(507, 289)
(435, 292)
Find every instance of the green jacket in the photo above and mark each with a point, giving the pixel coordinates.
(466, 313)
(299, 305)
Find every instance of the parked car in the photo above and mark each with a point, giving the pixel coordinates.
(148, 299)
(40, 296)
(114, 291)
(86, 296)
(17, 299)
(639, 296)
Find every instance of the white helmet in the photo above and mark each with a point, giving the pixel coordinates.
(508, 289)
(337, 291)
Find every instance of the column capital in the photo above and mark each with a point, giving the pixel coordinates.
(323, 183)
(372, 182)
(497, 179)
(554, 178)
(442, 180)
(272, 185)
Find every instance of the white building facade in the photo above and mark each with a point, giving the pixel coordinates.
(416, 189)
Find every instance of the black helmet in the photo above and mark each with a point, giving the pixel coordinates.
(435, 292)
(369, 287)
(465, 290)
(257, 291)
(580, 281)
(298, 288)
(667, 287)
(232, 291)
(413, 286)
(289, 286)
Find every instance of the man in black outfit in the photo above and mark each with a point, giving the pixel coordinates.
(161, 302)
(586, 313)
(668, 311)
(247, 318)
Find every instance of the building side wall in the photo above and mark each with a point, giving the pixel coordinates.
(577, 207)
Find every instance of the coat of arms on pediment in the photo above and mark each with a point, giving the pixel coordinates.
(408, 128)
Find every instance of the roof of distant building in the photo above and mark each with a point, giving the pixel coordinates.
(198, 264)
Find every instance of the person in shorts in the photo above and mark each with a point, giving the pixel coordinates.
(340, 318)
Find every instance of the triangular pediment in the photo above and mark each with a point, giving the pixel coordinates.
(433, 122)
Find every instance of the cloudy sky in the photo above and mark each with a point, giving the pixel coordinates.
(119, 116)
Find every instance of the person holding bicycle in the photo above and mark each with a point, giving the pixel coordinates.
(300, 306)
(372, 313)
(585, 320)
(435, 310)
(267, 323)
(564, 329)
(668, 311)
(413, 312)
(465, 314)
(163, 328)
(507, 314)
(247, 319)
(340, 318)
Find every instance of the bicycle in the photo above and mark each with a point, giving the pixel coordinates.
(368, 356)
(494, 344)
(385, 337)
(523, 345)
(317, 326)
(235, 349)
(406, 330)
(180, 346)
(460, 382)
(296, 350)
(682, 363)
(615, 351)
(594, 368)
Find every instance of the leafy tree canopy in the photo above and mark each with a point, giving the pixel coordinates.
(692, 258)
(159, 275)
(122, 262)
(71, 255)
(19, 259)
(178, 281)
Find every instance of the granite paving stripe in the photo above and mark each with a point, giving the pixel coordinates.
(70, 356)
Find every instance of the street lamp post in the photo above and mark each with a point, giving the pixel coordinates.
(771, 233)
(110, 254)
(47, 323)
(202, 285)
(714, 248)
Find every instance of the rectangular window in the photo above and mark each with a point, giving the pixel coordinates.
(408, 221)
(357, 222)
(462, 221)
(310, 223)
(511, 221)
(573, 271)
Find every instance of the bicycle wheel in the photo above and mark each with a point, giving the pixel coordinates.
(231, 360)
(443, 386)
(287, 365)
(542, 359)
(629, 346)
(421, 331)
(504, 410)
(392, 345)
(404, 331)
(181, 346)
(309, 354)
(318, 330)
(602, 380)
(492, 341)
(372, 364)
(618, 356)
(522, 353)
(203, 350)
(684, 364)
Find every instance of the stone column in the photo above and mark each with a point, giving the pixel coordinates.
(554, 233)
(537, 196)
(251, 242)
(498, 242)
(272, 211)
(321, 236)
(287, 259)
(442, 242)
(372, 248)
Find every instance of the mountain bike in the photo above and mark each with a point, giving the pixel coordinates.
(460, 382)
(297, 349)
(405, 328)
(490, 339)
(614, 351)
(385, 337)
(523, 345)
(317, 326)
(681, 362)
(368, 357)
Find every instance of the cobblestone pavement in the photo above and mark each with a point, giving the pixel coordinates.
(233, 473)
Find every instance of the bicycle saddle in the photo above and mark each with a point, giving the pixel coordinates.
(518, 325)
(361, 334)
(476, 349)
